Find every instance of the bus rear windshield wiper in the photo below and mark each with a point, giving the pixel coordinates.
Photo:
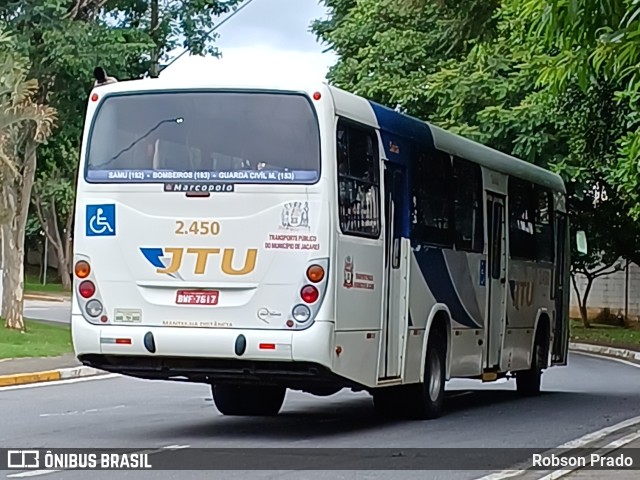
(177, 120)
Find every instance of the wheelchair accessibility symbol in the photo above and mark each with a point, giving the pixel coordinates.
(101, 220)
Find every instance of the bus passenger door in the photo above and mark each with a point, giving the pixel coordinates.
(561, 293)
(497, 275)
(396, 261)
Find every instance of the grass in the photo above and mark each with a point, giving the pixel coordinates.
(40, 340)
(600, 334)
(32, 285)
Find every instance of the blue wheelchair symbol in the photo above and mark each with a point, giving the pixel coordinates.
(101, 220)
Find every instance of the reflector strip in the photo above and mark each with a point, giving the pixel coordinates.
(267, 346)
(118, 341)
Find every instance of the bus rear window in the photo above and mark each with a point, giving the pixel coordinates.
(204, 137)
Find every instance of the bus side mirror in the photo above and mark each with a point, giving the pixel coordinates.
(581, 241)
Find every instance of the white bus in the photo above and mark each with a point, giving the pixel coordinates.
(264, 237)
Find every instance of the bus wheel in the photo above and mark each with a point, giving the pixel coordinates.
(426, 400)
(248, 400)
(528, 381)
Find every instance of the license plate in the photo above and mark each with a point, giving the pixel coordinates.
(197, 297)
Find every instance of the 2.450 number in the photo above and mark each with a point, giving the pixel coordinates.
(201, 227)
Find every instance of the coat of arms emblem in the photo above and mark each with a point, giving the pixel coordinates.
(348, 272)
(295, 215)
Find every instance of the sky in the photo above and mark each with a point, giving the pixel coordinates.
(268, 37)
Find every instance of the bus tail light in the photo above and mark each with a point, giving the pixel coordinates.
(315, 273)
(82, 269)
(94, 308)
(309, 294)
(87, 292)
(301, 314)
(87, 289)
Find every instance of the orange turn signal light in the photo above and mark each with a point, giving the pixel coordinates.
(315, 273)
(82, 269)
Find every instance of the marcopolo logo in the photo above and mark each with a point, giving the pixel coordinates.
(169, 260)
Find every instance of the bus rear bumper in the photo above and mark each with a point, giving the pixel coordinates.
(295, 359)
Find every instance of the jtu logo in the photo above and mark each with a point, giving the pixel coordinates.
(168, 261)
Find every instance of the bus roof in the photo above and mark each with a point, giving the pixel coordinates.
(431, 136)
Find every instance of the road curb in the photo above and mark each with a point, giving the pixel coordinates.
(46, 298)
(49, 376)
(605, 351)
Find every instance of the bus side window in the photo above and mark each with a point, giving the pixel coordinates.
(468, 211)
(358, 180)
(544, 225)
(431, 182)
(522, 207)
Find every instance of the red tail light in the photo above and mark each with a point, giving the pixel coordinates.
(87, 289)
(309, 294)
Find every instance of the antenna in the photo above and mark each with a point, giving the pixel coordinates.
(248, 2)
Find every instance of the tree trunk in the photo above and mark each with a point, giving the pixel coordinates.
(155, 51)
(583, 303)
(12, 280)
(64, 273)
(68, 243)
(16, 199)
(582, 299)
(48, 218)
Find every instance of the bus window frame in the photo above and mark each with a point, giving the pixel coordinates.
(350, 123)
(105, 97)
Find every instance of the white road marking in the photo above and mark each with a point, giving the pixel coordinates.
(32, 473)
(81, 412)
(60, 382)
(621, 442)
(606, 357)
(36, 473)
(577, 443)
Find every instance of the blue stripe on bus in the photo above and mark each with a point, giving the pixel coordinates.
(403, 130)
(435, 272)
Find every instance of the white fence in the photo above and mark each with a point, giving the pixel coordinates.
(617, 292)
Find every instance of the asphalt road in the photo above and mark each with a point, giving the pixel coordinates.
(122, 412)
(59, 312)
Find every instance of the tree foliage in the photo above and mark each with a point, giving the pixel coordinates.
(591, 40)
(63, 41)
(24, 122)
(170, 25)
(510, 74)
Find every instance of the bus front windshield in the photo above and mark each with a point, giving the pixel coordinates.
(204, 136)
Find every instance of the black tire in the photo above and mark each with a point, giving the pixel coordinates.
(245, 400)
(528, 382)
(425, 401)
